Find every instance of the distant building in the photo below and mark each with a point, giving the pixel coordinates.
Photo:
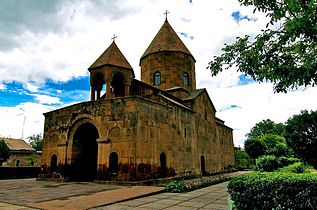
(134, 130)
(20, 153)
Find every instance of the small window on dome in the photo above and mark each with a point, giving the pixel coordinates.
(186, 79)
(157, 78)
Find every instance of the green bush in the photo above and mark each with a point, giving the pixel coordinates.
(294, 168)
(285, 161)
(176, 186)
(274, 191)
(267, 163)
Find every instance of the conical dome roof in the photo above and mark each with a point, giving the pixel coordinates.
(166, 40)
(111, 56)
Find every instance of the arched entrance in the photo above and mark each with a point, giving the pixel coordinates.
(117, 85)
(113, 163)
(53, 163)
(163, 165)
(202, 165)
(85, 152)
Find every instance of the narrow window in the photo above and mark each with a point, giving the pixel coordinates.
(185, 132)
(186, 79)
(157, 78)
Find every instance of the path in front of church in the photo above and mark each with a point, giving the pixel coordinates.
(28, 194)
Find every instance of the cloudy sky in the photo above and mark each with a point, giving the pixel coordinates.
(46, 47)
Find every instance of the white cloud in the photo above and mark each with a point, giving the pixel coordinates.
(45, 99)
(31, 87)
(84, 33)
(12, 120)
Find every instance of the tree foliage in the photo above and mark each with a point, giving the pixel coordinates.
(285, 54)
(275, 145)
(266, 127)
(4, 152)
(242, 160)
(255, 148)
(36, 141)
(301, 135)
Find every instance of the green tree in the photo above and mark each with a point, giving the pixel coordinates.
(255, 148)
(36, 141)
(285, 54)
(4, 152)
(301, 135)
(242, 160)
(266, 127)
(275, 145)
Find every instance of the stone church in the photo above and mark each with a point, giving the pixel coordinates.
(133, 129)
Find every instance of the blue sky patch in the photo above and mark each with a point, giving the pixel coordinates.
(237, 16)
(74, 90)
(244, 80)
(186, 35)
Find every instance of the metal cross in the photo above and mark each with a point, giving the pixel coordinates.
(166, 13)
(114, 37)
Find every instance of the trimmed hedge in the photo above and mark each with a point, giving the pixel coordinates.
(285, 161)
(274, 191)
(19, 172)
(267, 163)
(298, 168)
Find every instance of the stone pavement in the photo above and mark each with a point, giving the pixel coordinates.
(28, 194)
(212, 197)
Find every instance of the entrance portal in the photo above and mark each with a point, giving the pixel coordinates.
(202, 165)
(113, 163)
(163, 164)
(85, 152)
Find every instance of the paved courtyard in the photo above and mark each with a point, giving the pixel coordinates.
(28, 194)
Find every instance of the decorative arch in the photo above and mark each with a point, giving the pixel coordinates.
(157, 78)
(84, 151)
(77, 123)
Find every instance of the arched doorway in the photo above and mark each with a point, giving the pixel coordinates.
(118, 85)
(202, 165)
(85, 152)
(113, 163)
(163, 165)
(54, 163)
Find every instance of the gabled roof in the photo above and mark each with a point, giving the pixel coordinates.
(195, 93)
(166, 40)
(17, 144)
(111, 56)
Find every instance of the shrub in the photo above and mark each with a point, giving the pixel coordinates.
(267, 163)
(175, 186)
(285, 161)
(274, 191)
(295, 168)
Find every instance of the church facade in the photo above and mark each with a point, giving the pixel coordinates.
(133, 129)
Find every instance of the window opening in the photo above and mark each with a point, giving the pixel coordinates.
(157, 78)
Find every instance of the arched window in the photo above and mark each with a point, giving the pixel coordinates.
(186, 79)
(157, 78)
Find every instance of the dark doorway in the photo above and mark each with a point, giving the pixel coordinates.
(113, 163)
(202, 165)
(117, 85)
(53, 163)
(163, 165)
(85, 152)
